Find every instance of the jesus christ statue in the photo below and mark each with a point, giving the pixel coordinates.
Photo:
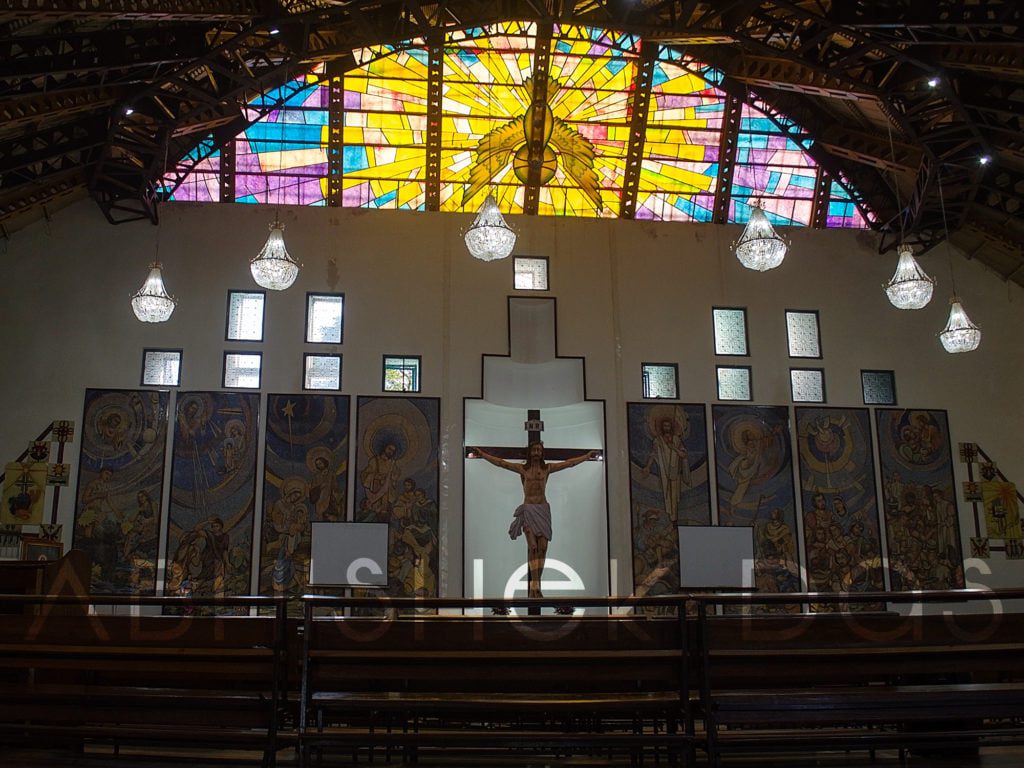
(533, 516)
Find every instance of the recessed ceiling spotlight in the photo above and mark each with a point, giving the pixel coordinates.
(128, 110)
(985, 159)
(933, 82)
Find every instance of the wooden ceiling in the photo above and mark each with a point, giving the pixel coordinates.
(903, 98)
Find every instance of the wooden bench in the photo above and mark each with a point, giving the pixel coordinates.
(549, 684)
(214, 681)
(825, 681)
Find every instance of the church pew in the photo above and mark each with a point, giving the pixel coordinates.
(214, 681)
(561, 683)
(859, 680)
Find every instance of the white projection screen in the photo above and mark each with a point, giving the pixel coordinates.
(577, 559)
(716, 557)
(349, 555)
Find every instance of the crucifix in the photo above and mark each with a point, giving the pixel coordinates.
(533, 516)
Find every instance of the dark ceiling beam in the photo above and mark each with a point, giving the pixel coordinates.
(639, 106)
(22, 198)
(114, 56)
(50, 146)
(1005, 60)
(870, 149)
(20, 111)
(133, 10)
(535, 121)
(1003, 189)
(787, 75)
(927, 18)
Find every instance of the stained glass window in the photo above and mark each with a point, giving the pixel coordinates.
(661, 380)
(879, 387)
(242, 369)
(679, 169)
(324, 318)
(734, 382)
(730, 330)
(802, 334)
(245, 316)
(842, 211)
(772, 167)
(531, 273)
(807, 385)
(161, 367)
(487, 115)
(322, 372)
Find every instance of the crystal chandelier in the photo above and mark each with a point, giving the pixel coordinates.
(910, 287)
(960, 334)
(489, 237)
(759, 247)
(273, 268)
(151, 303)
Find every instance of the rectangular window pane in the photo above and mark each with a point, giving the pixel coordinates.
(245, 316)
(242, 369)
(323, 372)
(161, 367)
(730, 331)
(531, 274)
(661, 380)
(401, 374)
(324, 313)
(734, 383)
(802, 332)
(879, 387)
(807, 385)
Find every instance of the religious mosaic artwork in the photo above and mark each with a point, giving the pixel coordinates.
(754, 467)
(397, 483)
(305, 481)
(213, 494)
(24, 493)
(1002, 513)
(489, 118)
(842, 538)
(668, 486)
(921, 521)
(120, 484)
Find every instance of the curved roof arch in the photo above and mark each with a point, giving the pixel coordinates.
(563, 120)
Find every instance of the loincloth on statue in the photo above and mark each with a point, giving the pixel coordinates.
(535, 517)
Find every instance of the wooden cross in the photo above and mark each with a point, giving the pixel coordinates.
(534, 427)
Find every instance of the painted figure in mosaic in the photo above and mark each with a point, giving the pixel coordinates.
(533, 516)
(921, 518)
(288, 524)
(380, 479)
(672, 459)
(120, 484)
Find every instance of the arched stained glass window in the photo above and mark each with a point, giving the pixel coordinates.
(486, 135)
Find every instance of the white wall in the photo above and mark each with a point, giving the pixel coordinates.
(628, 292)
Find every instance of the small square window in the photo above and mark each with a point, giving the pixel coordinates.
(324, 318)
(807, 385)
(734, 382)
(661, 380)
(803, 334)
(245, 316)
(161, 367)
(730, 330)
(879, 387)
(531, 273)
(242, 369)
(401, 374)
(322, 371)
